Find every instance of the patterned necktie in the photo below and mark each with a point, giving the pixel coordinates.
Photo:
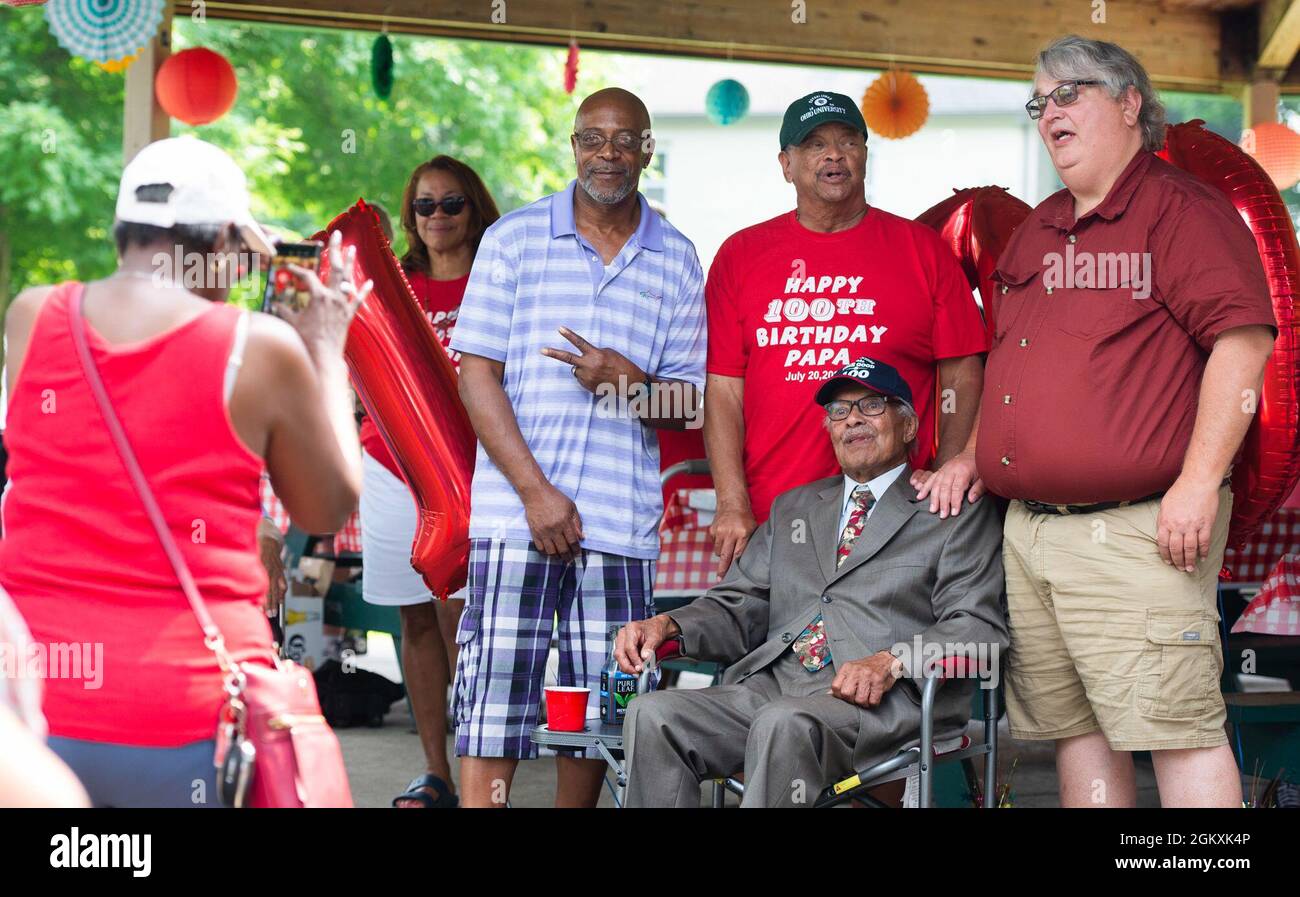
(862, 502)
(811, 647)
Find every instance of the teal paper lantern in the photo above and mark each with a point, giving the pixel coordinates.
(381, 66)
(727, 102)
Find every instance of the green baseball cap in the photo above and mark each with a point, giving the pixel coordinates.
(807, 113)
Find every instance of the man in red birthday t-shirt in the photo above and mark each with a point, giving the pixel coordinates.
(795, 298)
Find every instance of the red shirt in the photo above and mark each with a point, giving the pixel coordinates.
(440, 300)
(788, 307)
(81, 560)
(1102, 333)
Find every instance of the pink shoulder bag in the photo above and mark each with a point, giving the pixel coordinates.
(274, 748)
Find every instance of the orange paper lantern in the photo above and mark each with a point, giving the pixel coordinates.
(196, 86)
(1277, 150)
(895, 105)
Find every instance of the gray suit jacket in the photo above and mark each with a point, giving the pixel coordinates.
(909, 574)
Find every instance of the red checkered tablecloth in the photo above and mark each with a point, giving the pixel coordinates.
(1276, 609)
(1279, 536)
(686, 562)
(346, 539)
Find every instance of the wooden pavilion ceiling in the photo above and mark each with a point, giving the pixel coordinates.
(1202, 45)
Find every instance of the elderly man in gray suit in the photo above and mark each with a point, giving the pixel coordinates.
(845, 569)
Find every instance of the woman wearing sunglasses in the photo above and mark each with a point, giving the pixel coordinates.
(445, 209)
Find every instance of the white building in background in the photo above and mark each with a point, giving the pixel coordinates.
(713, 180)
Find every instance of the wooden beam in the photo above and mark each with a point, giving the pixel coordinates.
(1279, 34)
(143, 120)
(1180, 47)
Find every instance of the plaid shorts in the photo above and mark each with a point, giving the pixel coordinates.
(515, 594)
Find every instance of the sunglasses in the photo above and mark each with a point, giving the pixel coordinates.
(1063, 95)
(426, 206)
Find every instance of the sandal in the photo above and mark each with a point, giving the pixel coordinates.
(445, 799)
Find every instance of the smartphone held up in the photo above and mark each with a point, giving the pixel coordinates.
(283, 287)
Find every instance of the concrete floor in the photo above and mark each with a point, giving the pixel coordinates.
(381, 761)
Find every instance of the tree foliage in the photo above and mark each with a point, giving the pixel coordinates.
(61, 142)
(307, 129)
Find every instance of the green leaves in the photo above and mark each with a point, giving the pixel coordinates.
(306, 127)
(61, 141)
(51, 175)
(312, 136)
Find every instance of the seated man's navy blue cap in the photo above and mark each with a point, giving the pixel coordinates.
(874, 375)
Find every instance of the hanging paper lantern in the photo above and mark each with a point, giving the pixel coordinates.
(1277, 150)
(196, 86)
(381, 66)
(571, 68)
(727, 102)
(120, 65)
(895, 105)
(103, 30)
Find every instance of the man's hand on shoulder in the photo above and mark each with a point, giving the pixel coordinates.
(947, 486)
(637, 641)
(864, 682)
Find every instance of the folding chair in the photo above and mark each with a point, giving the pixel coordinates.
(908, 761)
(923, 757)
(670, 599)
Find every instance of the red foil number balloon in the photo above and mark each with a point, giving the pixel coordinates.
(409, 388)
(1269, 464)
(976, 224)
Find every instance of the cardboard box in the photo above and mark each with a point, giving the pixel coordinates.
(304, 612)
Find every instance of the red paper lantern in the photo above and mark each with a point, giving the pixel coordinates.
(1277, 150)
(196, 86)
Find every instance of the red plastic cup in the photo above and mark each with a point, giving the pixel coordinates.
(566, 708)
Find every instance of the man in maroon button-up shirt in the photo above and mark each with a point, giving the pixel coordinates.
(1133, 330)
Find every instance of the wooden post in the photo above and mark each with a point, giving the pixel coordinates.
(143, 120)
(1259, 102)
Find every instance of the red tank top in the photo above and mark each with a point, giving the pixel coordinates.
(440, 300)
(126, 660)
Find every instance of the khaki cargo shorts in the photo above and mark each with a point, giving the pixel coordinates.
(1106, 636)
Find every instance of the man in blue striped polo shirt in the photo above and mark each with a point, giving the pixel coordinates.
(581, 330)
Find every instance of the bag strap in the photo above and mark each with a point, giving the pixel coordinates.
(211, 634)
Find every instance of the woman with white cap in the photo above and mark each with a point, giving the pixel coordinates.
(208, 394)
